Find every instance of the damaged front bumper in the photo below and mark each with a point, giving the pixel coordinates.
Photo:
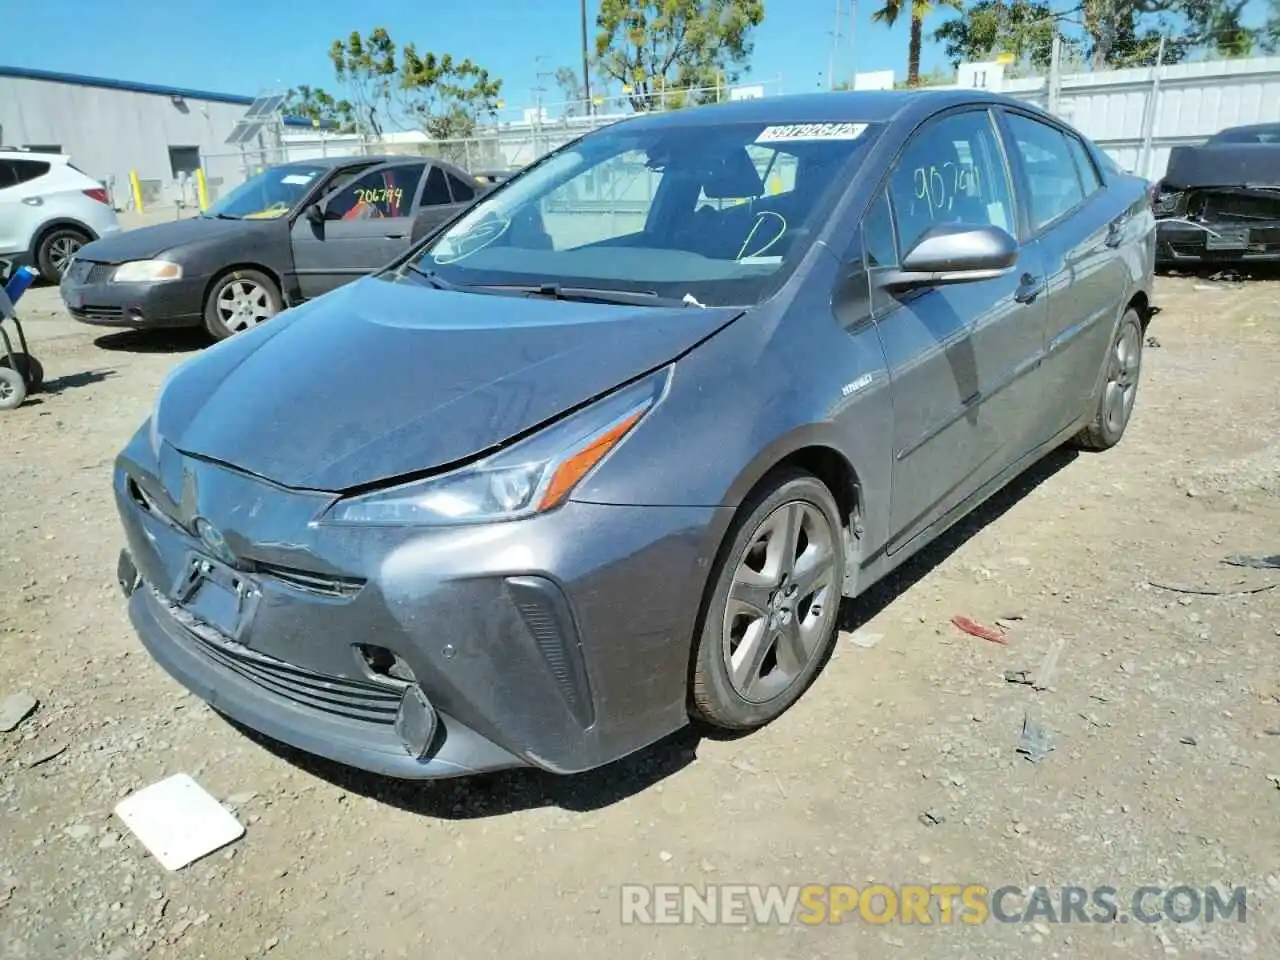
(559, 642)
(1224, 224)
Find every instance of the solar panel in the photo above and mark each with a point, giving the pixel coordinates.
(265, 106)
(244, 131)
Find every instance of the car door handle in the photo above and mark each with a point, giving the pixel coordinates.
(1028, 289)
(395, 236)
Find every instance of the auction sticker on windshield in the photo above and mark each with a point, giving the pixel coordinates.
(791, 132)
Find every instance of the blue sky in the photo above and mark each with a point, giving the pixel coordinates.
(249, 46)
(213, 46)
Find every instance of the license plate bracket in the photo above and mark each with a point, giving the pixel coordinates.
(1227, 238)
(217, 596)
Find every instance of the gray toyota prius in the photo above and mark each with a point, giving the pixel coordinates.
(605, 453)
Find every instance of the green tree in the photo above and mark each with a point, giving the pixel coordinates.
(321, 108)
(570, 86)
(389, 85)
(1022, 28)
(890, 13)
(670, 52)
(366, 67)
(1269, 33)
(447, 97)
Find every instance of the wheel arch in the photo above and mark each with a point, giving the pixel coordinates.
(810, 448)
(1141, 303)
(58, 223)
(222, 272)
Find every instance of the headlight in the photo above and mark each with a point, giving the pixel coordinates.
(144, 271)
(530, 477)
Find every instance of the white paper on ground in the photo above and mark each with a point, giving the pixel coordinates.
(178, 821)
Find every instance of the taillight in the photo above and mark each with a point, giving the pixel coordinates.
(97, 193)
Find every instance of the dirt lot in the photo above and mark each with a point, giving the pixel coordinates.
(1164, 711)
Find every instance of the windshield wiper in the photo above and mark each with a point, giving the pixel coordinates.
(554, 291)
(430, 276)
(221, 216)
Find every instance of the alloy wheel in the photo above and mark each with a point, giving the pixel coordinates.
(774, 617)
(62, 251)
(243, 304)
(1122, 378)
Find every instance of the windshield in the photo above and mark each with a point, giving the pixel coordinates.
(271, 194)
(717, 213)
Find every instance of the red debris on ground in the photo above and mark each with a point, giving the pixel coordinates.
(977, 629)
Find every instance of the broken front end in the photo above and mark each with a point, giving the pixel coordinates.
(1219, 203)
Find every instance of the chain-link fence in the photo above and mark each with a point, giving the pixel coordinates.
(1137, 99)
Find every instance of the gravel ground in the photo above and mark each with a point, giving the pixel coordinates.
(1164, 712)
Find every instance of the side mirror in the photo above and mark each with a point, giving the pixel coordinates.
(314, 214)
(953, 253)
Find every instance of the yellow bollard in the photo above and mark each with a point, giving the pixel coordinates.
(202, 189)
(136, 188)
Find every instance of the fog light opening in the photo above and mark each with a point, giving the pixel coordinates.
(416, 722)
(385, 663)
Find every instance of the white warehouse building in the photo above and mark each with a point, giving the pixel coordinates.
(112, 127)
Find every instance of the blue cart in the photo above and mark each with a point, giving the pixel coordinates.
(20, 372)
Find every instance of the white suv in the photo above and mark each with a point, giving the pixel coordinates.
(49, 209)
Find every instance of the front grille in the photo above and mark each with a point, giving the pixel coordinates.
(352, 699)
(103, 314)
(309, 582)
(100, 272)
(86, 271)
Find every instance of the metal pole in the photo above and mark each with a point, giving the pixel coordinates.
(586, 70)
(1149, 114)
(831, 60)
(1055, 71)
(853, 32)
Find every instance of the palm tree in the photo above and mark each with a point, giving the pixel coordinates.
(888, 15)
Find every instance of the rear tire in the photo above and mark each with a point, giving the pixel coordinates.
(770, 621)
(240, 300)
(13, 389)
(1122, 370)
(29, 368)
(55, 250)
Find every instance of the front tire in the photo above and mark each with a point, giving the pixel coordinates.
(56, 250)
(1114, 404)
(239, 301)
(771, 618)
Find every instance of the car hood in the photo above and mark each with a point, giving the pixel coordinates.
(380, 379)
(147, 242)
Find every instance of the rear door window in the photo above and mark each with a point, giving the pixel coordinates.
(436, 191)
(1085, 166)
(1052, 178)
(28, 170)
(462, 192)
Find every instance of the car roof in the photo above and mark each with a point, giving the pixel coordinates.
(17, 153)
(368, 159)
(1250, 128)
(861, 106)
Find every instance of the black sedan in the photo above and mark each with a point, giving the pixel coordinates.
(1219, 202)
(287, 235)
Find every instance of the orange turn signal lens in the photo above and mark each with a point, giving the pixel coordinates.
(577, 465)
